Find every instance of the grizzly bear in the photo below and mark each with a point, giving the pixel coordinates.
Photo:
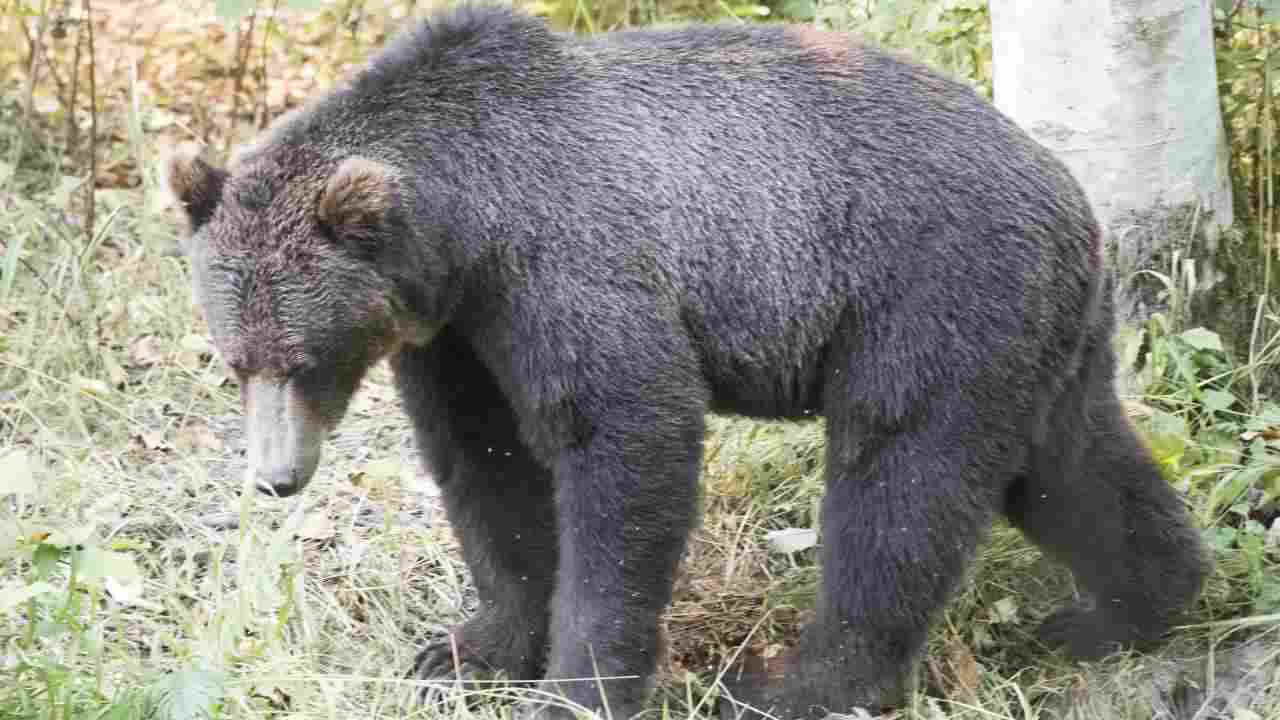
(571, 250)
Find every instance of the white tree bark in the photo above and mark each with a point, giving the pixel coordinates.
(1125, 92)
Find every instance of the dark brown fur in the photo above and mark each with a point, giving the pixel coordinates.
(571, 250)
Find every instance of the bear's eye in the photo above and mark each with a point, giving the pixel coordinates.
(238, 367)
(299, 364)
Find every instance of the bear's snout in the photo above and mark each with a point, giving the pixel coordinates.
(281, 482)
(284, 436)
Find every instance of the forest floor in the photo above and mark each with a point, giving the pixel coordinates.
(137, 576)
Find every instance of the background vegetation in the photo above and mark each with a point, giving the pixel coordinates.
(137, 580)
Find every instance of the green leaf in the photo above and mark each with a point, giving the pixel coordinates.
(1221, 538)
(17, 475)
(1271, 482)
(9, 267)
(234, 9)
(1271, 413)
(189, 694)
(1005, 610)
(1163, 423)
(1268, 599)
(1130, 340)
(1167, 439)
(12, 597)
(1202, 339)
(1270, 10)
(45, 559)
(127, 705)
(94, 563)
(1221, 445)
(799, 9)
(117, 572)
(1234, 485)
(304, 5)
(1217, 400)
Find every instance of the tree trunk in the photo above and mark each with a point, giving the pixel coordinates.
(1126, 93)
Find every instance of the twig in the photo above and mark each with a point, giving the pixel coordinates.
(1254, 360)
(93, 126)
(41, 280)
(33, 71)
(266, 76)
(73, 96)
(244, 46)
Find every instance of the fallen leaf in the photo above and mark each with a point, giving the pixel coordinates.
(146, 351)
(273, 694)
(17, 473)
(195, 351)
(965, 670)
(381, 477)
(115, 372)
(791, 540)
(198, 438)
(90, 386)
(317, 526)
(1135, 409)
(151, 440)
(129, 593)
(196, 343)
(1005, 610)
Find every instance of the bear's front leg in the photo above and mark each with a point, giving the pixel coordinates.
(625, 503)
(499, 503)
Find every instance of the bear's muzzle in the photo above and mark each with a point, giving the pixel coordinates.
(284, 436)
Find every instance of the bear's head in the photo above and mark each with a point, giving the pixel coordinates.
(291, 264)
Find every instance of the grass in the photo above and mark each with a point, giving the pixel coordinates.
(138, 579)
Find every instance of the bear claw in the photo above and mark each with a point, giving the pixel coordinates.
(1083, 633)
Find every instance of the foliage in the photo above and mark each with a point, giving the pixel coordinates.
(1268, 10)
(126, 588)
(1226, 458)
(1246, 31)
(189, 694)
(952, 35)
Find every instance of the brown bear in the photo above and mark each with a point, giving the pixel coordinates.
(570, 250)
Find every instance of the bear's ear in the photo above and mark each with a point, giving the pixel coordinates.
(194, 183)
(357, 201)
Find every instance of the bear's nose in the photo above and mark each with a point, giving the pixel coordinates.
(281, 482)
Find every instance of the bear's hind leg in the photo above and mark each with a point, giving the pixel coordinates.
(905, 511)
(1095, 500)
(499, 505)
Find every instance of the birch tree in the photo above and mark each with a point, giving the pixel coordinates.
(1126, 94)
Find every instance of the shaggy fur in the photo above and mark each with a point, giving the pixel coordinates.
(571, 250)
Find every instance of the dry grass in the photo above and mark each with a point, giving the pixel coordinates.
(312, 607)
